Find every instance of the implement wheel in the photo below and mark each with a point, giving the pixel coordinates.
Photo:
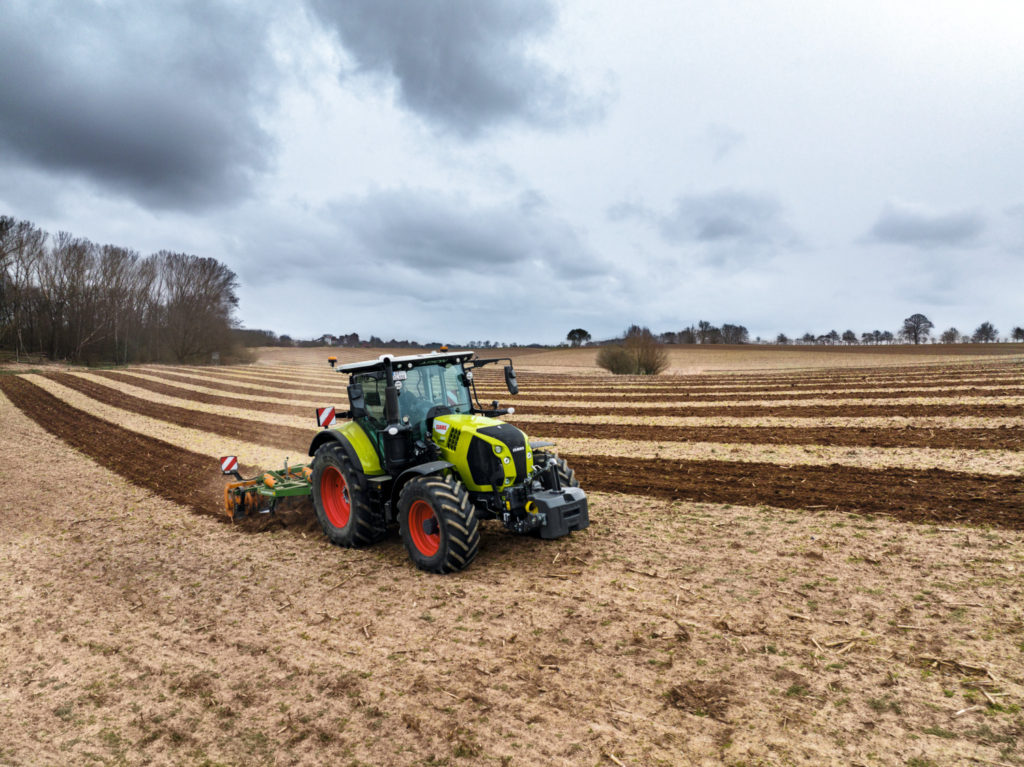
(341, 501)
(438, 524)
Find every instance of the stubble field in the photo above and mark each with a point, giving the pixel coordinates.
(787, 564)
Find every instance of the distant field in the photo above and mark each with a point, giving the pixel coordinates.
(797, 556)
(697, 358)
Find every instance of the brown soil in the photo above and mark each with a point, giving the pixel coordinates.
(208, 399)
(795, 411)
(681, 396)
(187, 478)
(605, 391)
(134, 632)
(262, 377)
(848, 375)
(928, 495)
(911, 495)
(183, 477)
(1008, 438)
(284, 437)
(257, 432)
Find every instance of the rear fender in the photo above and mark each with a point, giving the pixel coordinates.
(356, 443)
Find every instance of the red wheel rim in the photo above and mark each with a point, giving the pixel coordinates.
(424, 528)
(335, 498)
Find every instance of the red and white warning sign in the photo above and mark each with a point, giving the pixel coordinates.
(228, 464)
(325, 417)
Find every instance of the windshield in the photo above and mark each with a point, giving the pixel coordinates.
(427, 386)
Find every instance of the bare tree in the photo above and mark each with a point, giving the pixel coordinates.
(950, 336)
(916, 328)
(198, 297)
(849, 337)
(985, 333)
(22, 247)
(735, 334)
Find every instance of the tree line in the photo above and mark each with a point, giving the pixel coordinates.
(68, 298)
(916, 329)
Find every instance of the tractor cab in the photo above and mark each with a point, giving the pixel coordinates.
(425, 388)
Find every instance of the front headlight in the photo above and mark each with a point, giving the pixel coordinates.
(498, 449)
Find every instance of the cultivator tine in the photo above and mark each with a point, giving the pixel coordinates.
(241, 499)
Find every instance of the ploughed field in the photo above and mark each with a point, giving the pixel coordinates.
(790, 566)
(941, 444)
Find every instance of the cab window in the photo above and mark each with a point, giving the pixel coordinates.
(373, 395)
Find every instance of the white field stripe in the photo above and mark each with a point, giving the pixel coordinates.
(942, 391)
(256, 387)
(933, 422)
(205, 443)
(277, 419)
(689, 382)
(319, 402)
(816, 422)
(303, 376)
(244, 375)
(815, 402)
(991, 462)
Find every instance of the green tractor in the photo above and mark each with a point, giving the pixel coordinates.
(419, 451)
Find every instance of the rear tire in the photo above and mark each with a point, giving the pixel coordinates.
(438, 524)
(341, 500)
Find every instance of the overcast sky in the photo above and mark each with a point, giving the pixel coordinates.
(512, 169)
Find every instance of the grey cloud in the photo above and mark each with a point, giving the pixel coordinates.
(723, 140)
(625, 210)
(461, 64)
(429, 233)
(155, 101)
(903, 224)
(724, 217)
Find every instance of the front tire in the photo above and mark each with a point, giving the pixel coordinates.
(438, 524)
(341, 500)
(566, 476)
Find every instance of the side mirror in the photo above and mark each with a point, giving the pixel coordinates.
(510, 380)
(357, 405)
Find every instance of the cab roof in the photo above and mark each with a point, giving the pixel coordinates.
(406, 361)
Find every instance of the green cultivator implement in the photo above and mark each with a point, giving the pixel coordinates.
(416, 450)
(260, 494)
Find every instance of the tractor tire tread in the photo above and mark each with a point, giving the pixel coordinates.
(460, 536)
(367, 525)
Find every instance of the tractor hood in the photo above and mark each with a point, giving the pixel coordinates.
(496, 454)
